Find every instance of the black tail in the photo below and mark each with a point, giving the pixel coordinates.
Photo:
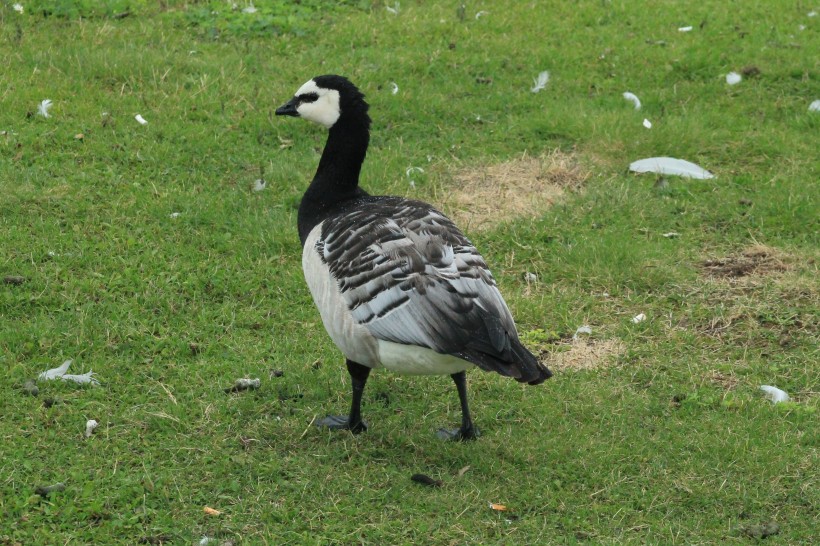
(519, 363)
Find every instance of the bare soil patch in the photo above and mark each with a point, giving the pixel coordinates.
(584, 354)
(754, 260)
(488, 195)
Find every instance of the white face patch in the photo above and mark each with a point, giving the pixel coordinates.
(325, 110)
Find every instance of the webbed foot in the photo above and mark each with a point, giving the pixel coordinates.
(458, 435)
(341, 422)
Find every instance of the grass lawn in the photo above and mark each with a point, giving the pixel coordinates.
(142, 252)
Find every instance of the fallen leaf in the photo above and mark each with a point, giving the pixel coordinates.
(210, 511)
(498, 507)
(463, 471)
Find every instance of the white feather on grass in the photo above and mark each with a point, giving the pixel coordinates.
(540, 82)
(250, 9)
(639, 318)
(90, 425)
(581, 330)
(393, 9)
(141, 120)
(647, 123)
(774, 394)
(684, 29)
(670, 166)
(814, 106)
(259, 184)
(733, 78)
(394, 87)
(44, 107)
(633, 98)
(481, 14)
(60, 373)
(18, 8)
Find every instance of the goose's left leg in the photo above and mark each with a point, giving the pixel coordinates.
(467, 431)
(352, 422)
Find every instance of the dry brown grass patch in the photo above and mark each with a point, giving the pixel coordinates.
(754, 260)
(485, 196)
(584, 354)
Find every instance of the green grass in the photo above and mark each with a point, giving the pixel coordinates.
(656, 445)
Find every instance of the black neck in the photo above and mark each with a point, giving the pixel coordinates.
(337, 178)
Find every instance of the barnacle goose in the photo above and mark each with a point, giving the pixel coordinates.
(396, 283)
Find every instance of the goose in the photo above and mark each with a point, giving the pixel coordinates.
(397, 284)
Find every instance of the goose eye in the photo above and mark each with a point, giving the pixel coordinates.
(308, 97)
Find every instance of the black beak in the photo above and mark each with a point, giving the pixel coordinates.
(289, 108)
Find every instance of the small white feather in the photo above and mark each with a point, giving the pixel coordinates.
(581, 330)
(259, 185)
(540, 82)
(733, 78)
(480, 14)
(684, 29)
(530, 277)
(774, 394)
(647, 123)
(89, 427)
(393, 9)
(54, 373)
(394, 87)
(639, 318)
(175, 214)
(812, 14)
(250, 9)
(411, 170)
(18, 8)
(631, 97)
(44, 107)
(814, 106)
(672, 235)
(140, 119)
(670, 166)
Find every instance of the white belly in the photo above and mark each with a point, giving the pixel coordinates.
(414, 360)
(354, 340)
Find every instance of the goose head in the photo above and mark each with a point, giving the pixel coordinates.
(326, 100)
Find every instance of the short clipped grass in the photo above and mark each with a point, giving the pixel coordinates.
(667, 441)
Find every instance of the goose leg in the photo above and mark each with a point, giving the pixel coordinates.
(467, 430)
(352, 422)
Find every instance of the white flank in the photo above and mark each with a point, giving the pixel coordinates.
(394, 87)
(415, 360)
(733, 78)
(140, 119)
(647, 123)
(18, 8)
(633, 98)
(670, 166)
(814, 106)
(639, 318)
(685, 29)
(44, 107)
(540, 82)
(89, 427)
(774, 394)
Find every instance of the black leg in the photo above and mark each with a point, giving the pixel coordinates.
(467, 430)
(352, 422)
